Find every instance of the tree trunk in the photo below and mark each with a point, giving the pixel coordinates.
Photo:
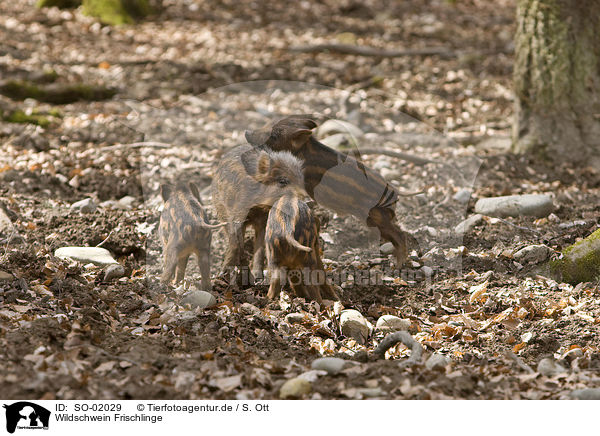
(557, 80)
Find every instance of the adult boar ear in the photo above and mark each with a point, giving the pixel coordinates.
(165, 191)
(299, 138)
(257, 137)
(195, 192)
(263, 167)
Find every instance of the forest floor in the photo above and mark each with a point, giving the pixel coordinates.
(188, 78)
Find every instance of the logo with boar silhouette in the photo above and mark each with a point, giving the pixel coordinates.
(26, 415)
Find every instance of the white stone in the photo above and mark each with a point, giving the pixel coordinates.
(96, 255)
(463, 196)
(387, 248)
(113, 271)
(86, 205)
(467, 225)
(532, 254)
(332, 365)
(354, 325)
(586, 394)
(295, 388)
(549, 367)
(330, 127)
(437, 361)
(199, 299)
(538, 205)
(387, 323)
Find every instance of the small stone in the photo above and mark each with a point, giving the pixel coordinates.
(339, 140)
(250, 309)
(427, 271)
(354, 325)
(467, 225)
(463, 196)
(330, 127)
(200, 299)
(96, 255)
(586, 394)
(538, 205)
(390, 174)
(549, 367)
(387, 323)
(6, 225)
(437, 361)
(295, 388)
(532, 254)
(125, 202)
(294, 318)
(113, 271)
(371, 392)
(387, 248)
(332, 365)
(5, 277)
(87, 205)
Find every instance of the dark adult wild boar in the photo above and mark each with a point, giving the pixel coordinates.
(246, 183)
(292, 243)
(184, 230)
(337, 181)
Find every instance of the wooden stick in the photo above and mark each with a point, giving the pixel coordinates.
(372, 51)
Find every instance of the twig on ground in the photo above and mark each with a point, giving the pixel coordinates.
(359, 50)
(416, 349)
(137, 145)
(398, 154)
(105, 239)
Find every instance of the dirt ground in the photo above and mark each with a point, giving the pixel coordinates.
(195, 78)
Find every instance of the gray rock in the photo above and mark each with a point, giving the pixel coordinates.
(371, 392)
(354, 325)
(96, 255)
(86, 205)
(387, 248)
(427, 271)
(436, 361)
(586, 394)
(538, 205)
(463, 196)
(532, 254)
(332, 365)
(330, 127)
(549, 367)
(6, 225)
(113, 271)
(250, 309)
(199, 299)
(6, 277)
(295, 388)
(294, 318)
(387, 323)
(467, 225)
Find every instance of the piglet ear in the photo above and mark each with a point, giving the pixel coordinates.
(165, 191)
(299, 138)
(195, 192)
(263, 166)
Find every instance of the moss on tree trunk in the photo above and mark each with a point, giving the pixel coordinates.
(557, 80)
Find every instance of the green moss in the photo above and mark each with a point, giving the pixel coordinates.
(62, 4)
(580, 261)
(21, 117)
(117, 12)
(55, 94)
